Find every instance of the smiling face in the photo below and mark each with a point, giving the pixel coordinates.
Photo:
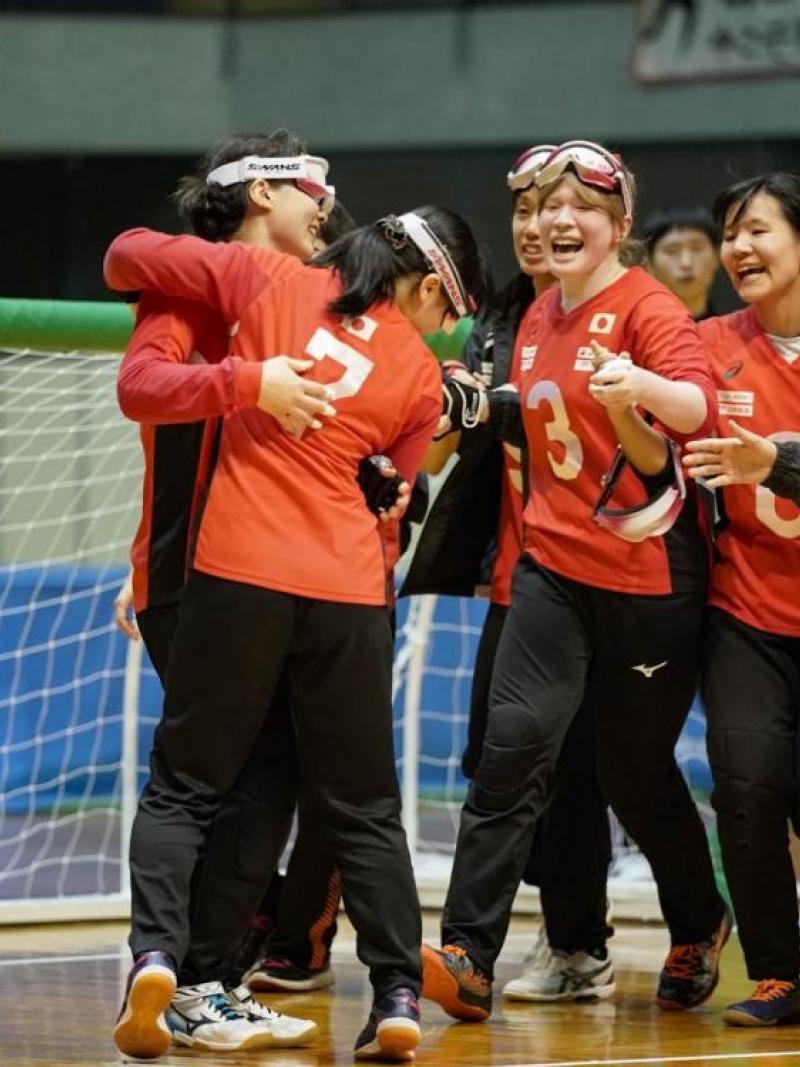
(760, 251)
(294, 220)
(525, 233)
(580, 235)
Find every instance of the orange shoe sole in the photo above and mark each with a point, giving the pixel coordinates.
(439, 985)
(398, 1038)
(142, 1032)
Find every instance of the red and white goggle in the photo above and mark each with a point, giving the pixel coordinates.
(307, 172)
(528, 165)
(419, 233)
(594, 166)
(651, 519)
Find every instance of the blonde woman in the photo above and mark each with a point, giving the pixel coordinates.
(606, 606)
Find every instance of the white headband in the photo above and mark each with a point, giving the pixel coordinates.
(315, 168)
(309, 169)
(439, 258)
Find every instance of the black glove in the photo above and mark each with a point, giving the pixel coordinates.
(380, 492)
(461, 403)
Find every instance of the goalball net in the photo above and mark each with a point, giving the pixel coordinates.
(70, 492)
(79, 701)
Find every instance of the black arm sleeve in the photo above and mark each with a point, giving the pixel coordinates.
(784, 478)
(505, 416)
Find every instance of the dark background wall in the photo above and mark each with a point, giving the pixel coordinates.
(61, 211)
(420, 101)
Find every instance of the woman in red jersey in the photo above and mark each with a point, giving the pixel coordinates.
(473, 537)
(289, 577)
(597, 622)
(751, 676)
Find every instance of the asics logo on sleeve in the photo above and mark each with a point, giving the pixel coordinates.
(648, 672)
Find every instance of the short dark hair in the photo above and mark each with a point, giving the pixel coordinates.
(370, 265)
(337, 224)
(779, 184)
(217, 211)
(682, 217)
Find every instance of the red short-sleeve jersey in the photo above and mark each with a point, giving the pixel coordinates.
(282, 512)
(758, 576)
(571, 442)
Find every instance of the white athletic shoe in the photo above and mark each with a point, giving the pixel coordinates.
(285, 1031)
(203, 1017)
(549, 974)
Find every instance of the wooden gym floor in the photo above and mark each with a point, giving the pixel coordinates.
(60, 989)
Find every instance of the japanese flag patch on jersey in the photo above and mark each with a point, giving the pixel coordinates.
(602, 322)
(361, 326)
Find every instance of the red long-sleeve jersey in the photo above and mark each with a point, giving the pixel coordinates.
(758, 576)
(571, 441)
(171, 332)
(281, 512)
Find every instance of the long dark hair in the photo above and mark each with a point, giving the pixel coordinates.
(781, 185)
(370, 265)
(217, 211)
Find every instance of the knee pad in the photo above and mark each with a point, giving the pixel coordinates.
(751, 814)
(515, 761)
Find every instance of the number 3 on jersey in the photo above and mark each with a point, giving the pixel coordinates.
(766, 506)
(558, 429)
(356, 365)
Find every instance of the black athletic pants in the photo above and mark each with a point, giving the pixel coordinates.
(632, 661)
(751, 688)
(571, 848)
(250, 830)
(231, 648)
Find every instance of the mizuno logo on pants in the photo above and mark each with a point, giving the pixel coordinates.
(648, 672)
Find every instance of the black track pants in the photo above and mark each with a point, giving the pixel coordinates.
(231, 648)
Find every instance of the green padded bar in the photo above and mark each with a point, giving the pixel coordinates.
(65, 325)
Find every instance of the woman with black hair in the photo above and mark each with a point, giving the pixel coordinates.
(288, 577)
(272, 211)
(751, 669)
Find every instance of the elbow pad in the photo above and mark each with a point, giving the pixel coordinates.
(505, 415)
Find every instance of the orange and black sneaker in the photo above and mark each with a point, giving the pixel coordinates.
(773, 1002)
(691, 972)
(451, 979)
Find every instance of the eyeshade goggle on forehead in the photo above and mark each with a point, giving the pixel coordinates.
(307, 172)
(593, 165)
(527, 166)
(398, 229)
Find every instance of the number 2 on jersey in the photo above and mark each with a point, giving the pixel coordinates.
(356, 365)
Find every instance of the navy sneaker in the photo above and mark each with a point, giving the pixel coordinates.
(392, 1031)
(691, 972)
(771, 1003)
(456, 984)
(272, 975)
(141, 1029)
